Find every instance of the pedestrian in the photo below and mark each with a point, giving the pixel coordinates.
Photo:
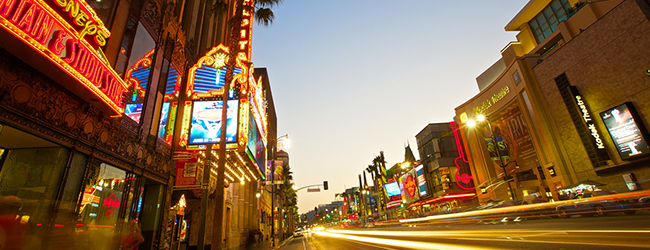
(12, 229)
(131, 236)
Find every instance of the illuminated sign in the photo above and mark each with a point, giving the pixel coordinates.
(392, 189)
(463, 174)
(111, 203)
(628, 135)
(492, 100)
(409, 185)
(246, 32)
(208, 76)
(206, 122)
(258, 106)
(587, 119)
(255, 148)
(422, 182)
(60, 30)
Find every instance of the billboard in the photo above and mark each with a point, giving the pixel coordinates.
(255, 148)
(628, 134)
(422, 180)
(206, 122)
(392, 189)
(409, 186)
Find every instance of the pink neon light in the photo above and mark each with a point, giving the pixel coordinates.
(58, 225)
(466, 178)
(452, 196)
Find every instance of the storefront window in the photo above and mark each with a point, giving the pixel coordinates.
(102, 196)
(31, 169)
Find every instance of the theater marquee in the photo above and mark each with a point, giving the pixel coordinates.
(70, 35)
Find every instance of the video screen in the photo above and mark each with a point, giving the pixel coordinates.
(206, 122)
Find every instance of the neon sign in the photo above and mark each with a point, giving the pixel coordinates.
(409, 185)
(207, 77)
(463, 179)
(40, 26)
(246, 32)
(111, 203)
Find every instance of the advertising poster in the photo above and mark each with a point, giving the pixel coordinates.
(512, 127)
(164, 114)
(422, 180)
(133, 111)
(392, 189)
(409, 187)
(186, 169)
(627, 134)
(206, 122)
(255, 147)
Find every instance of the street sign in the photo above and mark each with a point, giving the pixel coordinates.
(311, 190)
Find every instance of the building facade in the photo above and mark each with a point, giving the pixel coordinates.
(444, 177)
(91, 122)
(550, 103)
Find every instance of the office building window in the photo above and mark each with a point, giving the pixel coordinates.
(546, 21)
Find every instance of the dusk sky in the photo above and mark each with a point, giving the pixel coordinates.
(353, 78)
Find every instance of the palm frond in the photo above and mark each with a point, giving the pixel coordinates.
(264, 16)
(268, 3)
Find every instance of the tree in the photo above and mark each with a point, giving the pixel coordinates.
(265, 16)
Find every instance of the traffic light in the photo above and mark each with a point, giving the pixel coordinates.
(325, 186)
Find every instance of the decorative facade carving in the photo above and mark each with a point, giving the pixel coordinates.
(151, 16)
(34, 102)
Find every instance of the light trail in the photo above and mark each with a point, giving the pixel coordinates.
(466, 232)
(507, 235)
(402, 243)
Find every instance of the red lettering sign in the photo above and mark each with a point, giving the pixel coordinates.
(111, 203)
(41, 28)
(409, 184)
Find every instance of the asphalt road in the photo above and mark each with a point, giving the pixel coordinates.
(611, 232)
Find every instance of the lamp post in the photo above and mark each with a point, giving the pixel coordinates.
(506, 177)
(285, 144)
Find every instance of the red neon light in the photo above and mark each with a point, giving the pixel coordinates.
(111, 203)
(409, 184)
(37, 25)
(453, 196)
(144, 62)
(462, 179)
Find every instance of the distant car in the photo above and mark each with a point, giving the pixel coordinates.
(298, 233)
(597, 202)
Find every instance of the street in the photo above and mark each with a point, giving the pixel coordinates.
(613, 232)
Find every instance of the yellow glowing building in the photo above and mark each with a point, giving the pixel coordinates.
(553, 99)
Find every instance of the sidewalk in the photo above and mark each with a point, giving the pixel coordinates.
(266, 245)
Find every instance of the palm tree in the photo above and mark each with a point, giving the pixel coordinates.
(265, 17)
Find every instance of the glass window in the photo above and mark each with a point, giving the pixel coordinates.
(546, 21)
(138, 72)
(170, 105)
(31, 171)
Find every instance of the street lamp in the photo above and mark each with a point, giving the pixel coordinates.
(497, 147)
(284, 143)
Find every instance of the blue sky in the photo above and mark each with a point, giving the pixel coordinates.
(352, 78)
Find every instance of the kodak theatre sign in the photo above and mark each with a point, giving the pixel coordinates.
(70, 35)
